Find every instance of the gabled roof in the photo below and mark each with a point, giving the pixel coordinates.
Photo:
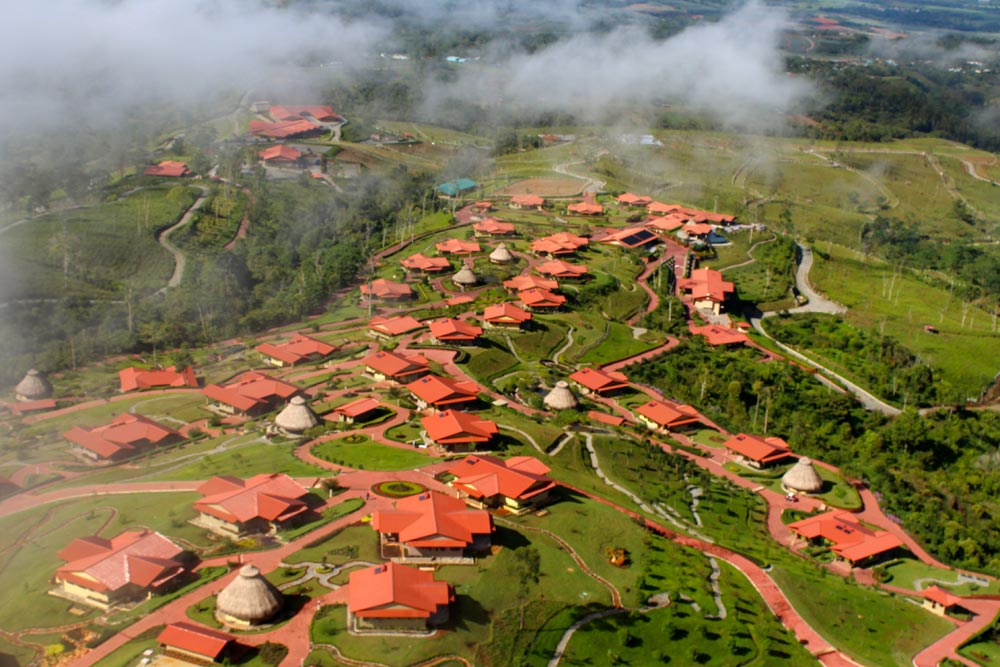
(319, 112)
(283, 129)
(605, 418)
(483, 205)
(530, 281)
(586, 208)
(396, 365)
(139, 557)
(391, 590)
(457, 247)
(716, 335)
(756, 448)
(280, 153)
(631, 237)
(669, 415)
(451, 427)
(133, 378)
(667, 223)
(659, 208)
(433, 519)
(706, 284)
(449, 329)
(505, 312)
(597, 380)
(298, 349)
(494, 227)
(420, 262)
(941, 596)
(358, 407)
(560, 243)
(539, 298)
(630, 199)
(124, 434)
(697, 229)
(387, 289)
(251, 390)
(484, 476)
(561, 269)
(272, 497)
(851, 539)
(459, 300)
(167, 168)
(395, 326)
(195, 639)
(527, 200)
(436, 390)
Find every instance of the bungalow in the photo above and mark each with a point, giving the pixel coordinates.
(665, 416)
(249, 395)
(706, 289)
(457, 187)
(630, 237)
(195, 644)
(506, 315)
(430, 527)
(848, 538)
(659, 208)
(437, 391)
(425, 264)
(387, 327)
(756, 451)
(300, 349)
(396, 598)
(280, 155)
(493, 228)
(518, 484)
(322, 113)
(234, 508)
(284, 129)
(585, 208)
(127, 568)
(605, 418)
(387, 290)
(717, 335)
(541, 300)
(598, 381)
(666, 224)
(521, 283)
(458, 430)
(126, 435)
(133, 378)
(940, 601)
(458, 247)
(527, 201)
(629, 199)
(697, 230)
(483, 206)
(357, 410)
(561, 243)
(395, 367)
(168, 169)
(449, 330)
(556, 268)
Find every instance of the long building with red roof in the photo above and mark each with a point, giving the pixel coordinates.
(281, 154)
(457, 332)
(432, 525)
(458, 431)
(848, 538)
(284, 129)
(387, 327)
(530, 281)
(133, 378)
(757, 451)
(388, 365)
(124, 436)
(492, 228)
(667, 416)
(320, 112)
(506, 315)
(540, 299)
(599, 381)
(195, 643)
(586, 208)
(251, 394)
(300, 349)
(707, 289)
(629, 199)
(437, 391)
(234, 507)
(556, 268)
(356, 409)
(458, 247)
(387, 290)
(527, 201)
(716, 335)
(560, 243)
(424, 264)
(168, 169)
(394, 597)
(518, 484)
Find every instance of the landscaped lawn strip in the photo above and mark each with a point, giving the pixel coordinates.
(370, 455)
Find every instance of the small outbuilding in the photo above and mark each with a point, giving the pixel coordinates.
(560, 398)
(501, 255)
(297, 417)
(249, 600)
(465, 278)
(802, 478)
(34, 386)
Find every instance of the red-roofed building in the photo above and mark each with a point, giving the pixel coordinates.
(301, 349)
(541, 300)
(249, 395)
(666, 223)
(493, 228)
(24, 407)
(483, 206)
(457, 247)
(234, 508)
(432, 526)
(357, 410)
(940, 601)
(585, 208)
(527, 201)
(630, 237)
(848, 538)
(598, 381)
(666, 416)
(195, 643)
(387, 327)
(605, 418)
(758, 452)
(386, 365)
(125, 436)
(518, 484)
(521, 283)
(458, 431)
(437, 391)
(396, 597)
(131, 566)
(322, 113)
(560, 243)
(168, 169)
(629, 199)
(716, 335)
(456, 332)
(506, 315)
(133, 378)
(557, 268)
(659, 208)
(285, 129)
(387, 290)
(707, 289)
(459, 300)
(697, 230)
(425, 264)
(283, 155)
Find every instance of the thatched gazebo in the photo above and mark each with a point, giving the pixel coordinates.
(248, 600)
(501, 255)
(560, 398)
(465, 278)
(296, 417)
(33, 387)
(802, 478)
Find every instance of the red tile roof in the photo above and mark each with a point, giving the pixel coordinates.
(283, 129)
(484, 476)
(505, 313)
(756, 448)
(660, 208)
(597, 380)
(272, 497)
(667, 223)
(387, 289)
(395, 326)
(706, 284)
(560, 269)
(420, 262)
(437, 391)
(530, 281)
(697, 229)
(133, 378)
(433, 519)
(251, 391)
(457, 247)
(139, 557)
(527, 200)
(449, 329)
(941, 596)
(451, 427)
(494, 227)
(560, 243)
(396, 366)
(630, 237)
(125, 434)
(196, 639)
(280, 154)
(459, 300)
(483, 205)
(605, 418)
(630, 199)
(167, 168)
(396, 591)
(539, 298)
(851, 539)
(716, 335)
(669, 415)
(585, 208)
(319, 112)
(358, 407)
(297, 350)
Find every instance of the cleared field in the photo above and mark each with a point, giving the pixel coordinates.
(546, 187)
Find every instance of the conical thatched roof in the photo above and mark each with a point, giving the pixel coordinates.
(501, 255)
(803, 477)
(465, 276)
(560, 398)
(296, 416)
(33, 386)
(249, 597)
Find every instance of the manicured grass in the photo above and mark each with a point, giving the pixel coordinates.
(619, 344)
(491, 362)
(246, 461)
(906, 572)
(352, 543)
(130, 654)
(370, 456)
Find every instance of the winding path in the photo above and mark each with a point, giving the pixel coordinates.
(164, 239)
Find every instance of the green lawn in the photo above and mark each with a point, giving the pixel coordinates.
(370, 455)
(245, 461)
(906, 572)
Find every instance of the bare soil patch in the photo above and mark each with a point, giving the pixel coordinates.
(544, 187)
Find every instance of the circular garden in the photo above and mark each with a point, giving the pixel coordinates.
(398, 489)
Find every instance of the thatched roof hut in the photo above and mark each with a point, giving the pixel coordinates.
(248, 600)
(802, 477)
(296, 417)
(560, 398)
(501, 255)
(465, 277)
(34, 386)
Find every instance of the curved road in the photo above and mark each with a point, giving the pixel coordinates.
(164, 239)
